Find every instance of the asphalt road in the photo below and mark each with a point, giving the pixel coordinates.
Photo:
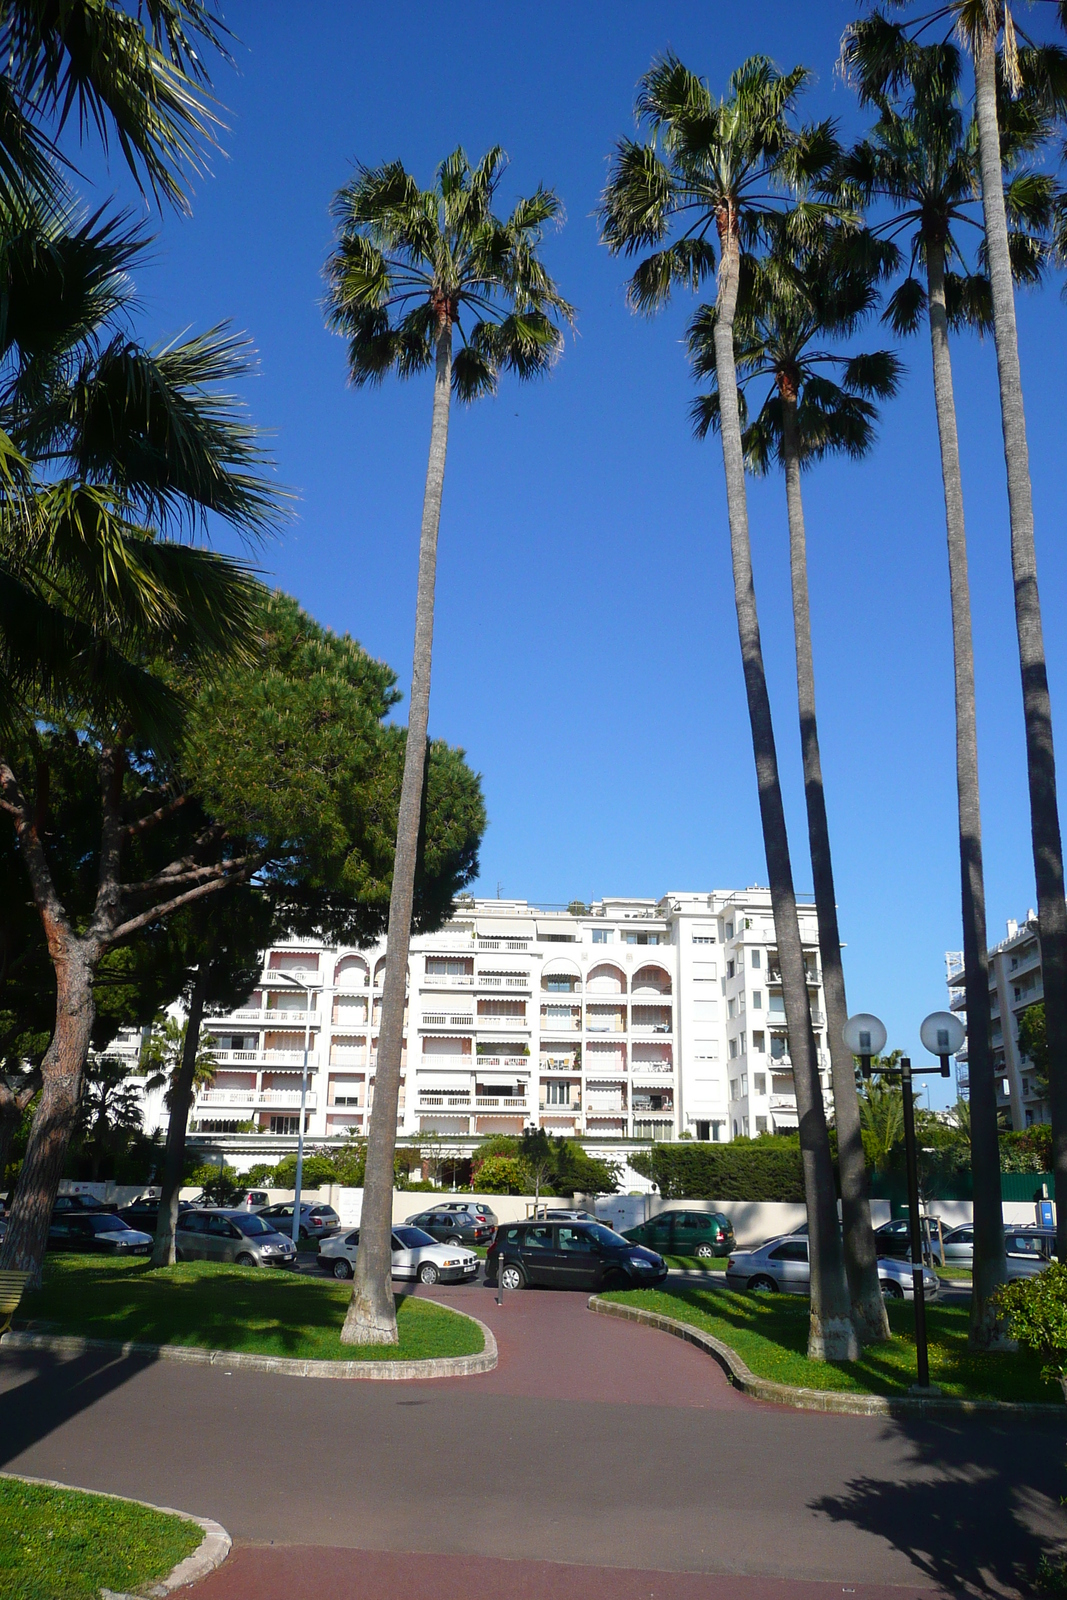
(595, 1444)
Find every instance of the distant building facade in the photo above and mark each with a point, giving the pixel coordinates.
(629, 1020)
(1015, 982)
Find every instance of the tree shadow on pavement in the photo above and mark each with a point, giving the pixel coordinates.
(58, 1390)
(978, 1510)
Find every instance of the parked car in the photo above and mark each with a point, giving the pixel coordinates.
(570, 1255)
(686, 1233)
(101, 1233)
(454, 1227)
(316, 1221)
(145, 1213)
(894, 1239)
(781, 1267)
(415, 1255)
(553, 1215)
(81, 1202)
(1027, 1249)
(253, 1200)
(475, 1207)
(240, 1236)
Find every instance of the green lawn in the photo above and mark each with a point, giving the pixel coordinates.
(64, 1544)
(262, 1310)
(697, 1263)
(770, 1334)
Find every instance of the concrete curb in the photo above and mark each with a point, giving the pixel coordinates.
(71, 1346)
(826, 1400)
(209, 1554)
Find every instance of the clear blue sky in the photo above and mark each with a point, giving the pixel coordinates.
(586, 652)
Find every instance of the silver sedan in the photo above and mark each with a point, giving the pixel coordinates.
(781, 1267)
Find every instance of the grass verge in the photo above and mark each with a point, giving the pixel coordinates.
(697, 1263)
(66, 1544)
(265, 1311)
(770, 1334)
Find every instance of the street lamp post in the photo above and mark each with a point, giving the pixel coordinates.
(942, 1034)
(288, 978)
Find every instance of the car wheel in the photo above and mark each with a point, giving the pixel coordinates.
(705, 1252)
(512, 1277)
(762, 1286)
(455, 1239)
(245, 1260)
(302, 1234)
(891, 1290)
(428, 1273)
(341, 1268)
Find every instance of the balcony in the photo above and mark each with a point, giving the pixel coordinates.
(605, 1107)
(448, 980)
(255, 1098)
(782, 1102)
(498, 1061)
(571, 1024)
(265, 1058)
(503, 981)
(501, 1102)
(651, 1069)
(446, 1102)
(445, 1019)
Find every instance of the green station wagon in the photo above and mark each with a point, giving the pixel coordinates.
(685, 1233)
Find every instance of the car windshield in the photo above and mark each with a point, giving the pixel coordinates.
(413, 1238)
(108, 1224)
(251, 1225)
(604, 1236)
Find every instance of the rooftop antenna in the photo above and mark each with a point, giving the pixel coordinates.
(498, 889)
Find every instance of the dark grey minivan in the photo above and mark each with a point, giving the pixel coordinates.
(239, 1236)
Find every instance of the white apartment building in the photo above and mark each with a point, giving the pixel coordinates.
(1015, 982)
(631, 1020)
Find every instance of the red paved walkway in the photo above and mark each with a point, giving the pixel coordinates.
(303, 1572)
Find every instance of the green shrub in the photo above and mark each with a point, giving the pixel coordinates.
(221, 1185)
(501, 1175)
(760, 1170)
(1035, 1310)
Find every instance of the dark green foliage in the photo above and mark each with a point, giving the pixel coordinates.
(759, 1170)
(540, 1162)
(220, 1185)
(1033, 1042)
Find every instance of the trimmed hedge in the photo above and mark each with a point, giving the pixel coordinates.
(693, 1171)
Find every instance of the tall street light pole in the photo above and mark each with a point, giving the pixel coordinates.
(288, 978)
(942, 1034)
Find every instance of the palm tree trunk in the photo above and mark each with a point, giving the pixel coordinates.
(989, 1269)
(371, 1317)
(831, 1336)
(181, 1099)
(62, 1075)
(861, 1255)
(1037, 709)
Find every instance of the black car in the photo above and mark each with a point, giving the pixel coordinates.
(144, 1214)
(454, 1227)
(100, 1232)
(570, 1255)
(81, 1202)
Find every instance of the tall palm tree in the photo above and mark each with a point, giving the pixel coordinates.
(921, 159)
(984, 24)
(791, 301)
(413, 271)
(712, 166)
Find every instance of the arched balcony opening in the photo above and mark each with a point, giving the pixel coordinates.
(651, 980)
(606, 979)
(351, 972)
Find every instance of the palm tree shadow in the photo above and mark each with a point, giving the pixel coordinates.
(978, 1509)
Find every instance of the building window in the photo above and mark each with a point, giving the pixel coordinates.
(729, 969)
(730, 933)
(646, 938)
(757, 999)
(756, 959)
(731, 1007)
(703, 1131)
(733, 1049)
(759, 1083)
(559, 985)
(603, 935)
(741, 1043)
(704, 938)
(761, 1124)
(285, 1124)
(759, 1042)
(559, 1094)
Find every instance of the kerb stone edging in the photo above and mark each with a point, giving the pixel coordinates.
(786, 1394)
(434, 1367)
(210, 1553)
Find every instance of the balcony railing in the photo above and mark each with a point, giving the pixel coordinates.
(501, 1102)
(501, 981)
(254, 1098)
(604, 1108)
(501, 1061)
(448, 1102)
(265, 1058)
(443, 1019)
(448, 980)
